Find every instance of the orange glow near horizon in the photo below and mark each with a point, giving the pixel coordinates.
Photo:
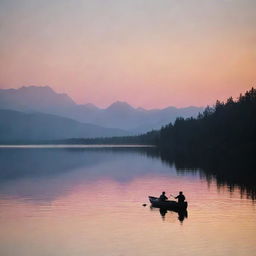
(148, 54)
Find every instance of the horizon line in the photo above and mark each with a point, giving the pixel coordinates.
(95, 105)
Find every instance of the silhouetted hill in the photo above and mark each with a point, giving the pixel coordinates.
(18, 126)
(119, 106)
(118, 115)
(34, 98)
(228, 129)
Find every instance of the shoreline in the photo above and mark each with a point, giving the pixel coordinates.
(76, 146)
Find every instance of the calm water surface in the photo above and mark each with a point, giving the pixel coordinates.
(63, 202)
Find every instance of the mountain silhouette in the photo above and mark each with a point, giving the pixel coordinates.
(119, 106)
(34, 98)
(118, 115)
(23, 127)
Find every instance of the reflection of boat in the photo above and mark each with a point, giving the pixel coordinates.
(168, 204)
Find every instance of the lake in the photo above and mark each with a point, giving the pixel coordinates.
(88, 201)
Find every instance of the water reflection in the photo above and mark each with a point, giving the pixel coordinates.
(21, 164)
(228, 172)
(181, 215)
(70, 201)
(45, 174)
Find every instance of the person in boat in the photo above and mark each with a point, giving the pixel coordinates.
(163, 197)
(181, 198)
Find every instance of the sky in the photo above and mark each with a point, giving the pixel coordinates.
(150, 53)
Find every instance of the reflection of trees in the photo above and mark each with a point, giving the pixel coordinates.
(227, 171)
(233, 173)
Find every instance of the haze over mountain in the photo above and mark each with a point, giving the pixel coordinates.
(18, 126)
(34, 98)
(118, 115)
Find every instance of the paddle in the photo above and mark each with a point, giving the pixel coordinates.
(172, 195)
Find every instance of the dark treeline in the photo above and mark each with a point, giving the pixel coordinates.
(228, 128)
(149, 138)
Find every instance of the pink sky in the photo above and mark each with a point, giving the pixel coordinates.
(148, 53)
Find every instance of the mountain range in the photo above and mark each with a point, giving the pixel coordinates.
(18, 126)
(119, 115)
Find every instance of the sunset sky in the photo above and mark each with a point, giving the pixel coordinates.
(150, 53)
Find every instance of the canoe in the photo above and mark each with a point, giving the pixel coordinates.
(168, 204)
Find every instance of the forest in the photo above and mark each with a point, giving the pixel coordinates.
(227, 128)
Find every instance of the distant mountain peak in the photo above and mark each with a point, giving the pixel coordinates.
(90, 106)
(141, 109)
(119, 105)
(120, 114)
(34, 97)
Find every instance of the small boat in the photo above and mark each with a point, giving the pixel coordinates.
(168, 204)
